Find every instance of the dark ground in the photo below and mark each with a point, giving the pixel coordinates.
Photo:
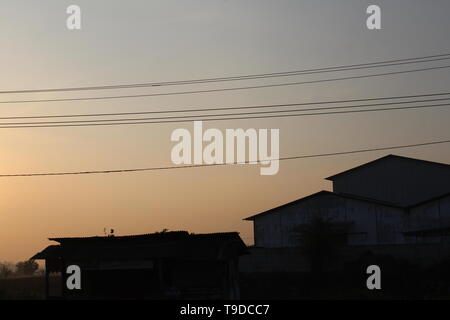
(399, 280)
(29, 288)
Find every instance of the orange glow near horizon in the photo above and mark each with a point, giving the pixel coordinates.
(171, 40)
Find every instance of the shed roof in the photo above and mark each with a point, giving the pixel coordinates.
(143, 238)
(176, 245)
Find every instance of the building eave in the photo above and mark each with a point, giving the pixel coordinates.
(341, 195)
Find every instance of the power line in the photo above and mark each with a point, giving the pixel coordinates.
(247, 107)
(224, 89)
(223, 164)
(190, 117)
(385, 63)
(109, 122)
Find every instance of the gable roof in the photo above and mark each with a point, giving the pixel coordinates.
(321, 193)
(387, 158)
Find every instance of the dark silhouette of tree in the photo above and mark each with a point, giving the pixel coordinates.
(5, 270)
(27, 268)
(320, 240)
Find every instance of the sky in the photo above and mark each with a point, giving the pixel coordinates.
(165, 40)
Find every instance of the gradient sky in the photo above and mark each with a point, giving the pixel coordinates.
(142, 41)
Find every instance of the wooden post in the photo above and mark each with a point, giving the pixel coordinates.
(63, 279)
(47, 282)
(161, 283)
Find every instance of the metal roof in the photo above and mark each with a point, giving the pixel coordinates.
(389, 156)
(176, 245)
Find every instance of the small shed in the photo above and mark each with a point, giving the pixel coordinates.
(166, 265)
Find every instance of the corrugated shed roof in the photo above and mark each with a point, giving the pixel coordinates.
(149, 237)
(176, 245)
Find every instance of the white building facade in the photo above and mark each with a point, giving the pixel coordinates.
(392, 200)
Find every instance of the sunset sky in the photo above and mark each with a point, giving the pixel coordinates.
(164, 40)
